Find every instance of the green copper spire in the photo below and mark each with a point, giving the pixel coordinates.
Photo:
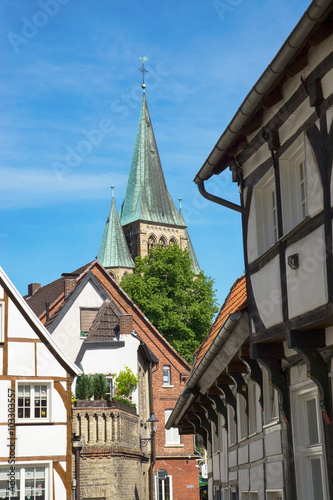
(147, 197)
(195, 264)
(113, 250)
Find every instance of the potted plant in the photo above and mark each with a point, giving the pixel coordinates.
(125, 383)
(91, 391)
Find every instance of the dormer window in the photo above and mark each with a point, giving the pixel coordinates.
(87, 316)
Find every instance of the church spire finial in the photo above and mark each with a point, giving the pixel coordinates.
(143, 70)
(180, 203)
(112, 189)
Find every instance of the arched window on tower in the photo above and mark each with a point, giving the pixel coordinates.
(163, 241)
(151, 242)
(173, 241)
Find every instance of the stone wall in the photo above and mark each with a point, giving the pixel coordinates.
(111, 464)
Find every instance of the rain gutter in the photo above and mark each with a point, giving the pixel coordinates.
(190, 393)
(295, 40)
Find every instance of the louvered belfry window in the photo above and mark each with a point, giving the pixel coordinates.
(87, 316)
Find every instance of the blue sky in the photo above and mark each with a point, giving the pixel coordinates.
(69, 75)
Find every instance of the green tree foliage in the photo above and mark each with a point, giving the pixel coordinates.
(84, 387)
(100, 386)
(180, 304)
(126, 382)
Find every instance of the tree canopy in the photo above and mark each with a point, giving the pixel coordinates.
(178, 303)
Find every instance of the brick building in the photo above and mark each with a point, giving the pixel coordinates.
(174, 453)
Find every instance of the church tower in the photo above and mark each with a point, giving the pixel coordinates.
(148, 215)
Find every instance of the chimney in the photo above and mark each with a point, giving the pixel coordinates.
(69, 285)
(125, 324)
(69, 282)
(32, 288)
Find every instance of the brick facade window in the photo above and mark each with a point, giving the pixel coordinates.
(171, 435)
(166, 375)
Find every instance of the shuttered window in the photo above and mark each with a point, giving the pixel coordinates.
(87, 317)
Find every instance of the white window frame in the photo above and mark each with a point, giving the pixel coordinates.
(21, 468)
(167, 369)
(274, 495)
(172, 436)
(2, 321)
(254, 408)
(232, 427)
(157, 479)
(33, 384)
(242, 427)
(270, 400)
(305, 451)
(266, 212)
(293, 185)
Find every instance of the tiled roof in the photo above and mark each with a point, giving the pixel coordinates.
(106, 324)
(113, 250)
(51, 293)
(147, 197)
(236, 301)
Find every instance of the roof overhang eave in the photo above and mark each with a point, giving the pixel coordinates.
(297, 37)
(188, 396)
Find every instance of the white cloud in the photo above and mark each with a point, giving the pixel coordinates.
(30, 187)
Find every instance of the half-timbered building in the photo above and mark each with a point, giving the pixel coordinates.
(279, 147)
(35, 410)
(229, 402)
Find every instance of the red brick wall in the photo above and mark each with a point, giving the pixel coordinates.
(184, 473)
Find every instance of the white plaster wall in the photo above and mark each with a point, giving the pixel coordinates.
(273, 445)
(111, 360)
(4, 450)
(329, 112)
(298, 375)
(21, 358)
(329, 336)
(307, 285)
(1, 293)
(256, 450)
(252, 240)
(314, 185)
(17, 325)
(59, 488)
(47, 364)
(216, 467)
(316, 55)
(244, 480)
(232, 458)
(261, 155)
(326, 84)
(67, 333)
(41, 440)
(295, 120)
(257, 480)
(274, 476)
(4, 386)
(267, 293)
(243, 455)
(58, 410)
(1, 360)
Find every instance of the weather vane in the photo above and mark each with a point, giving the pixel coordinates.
(143, 70)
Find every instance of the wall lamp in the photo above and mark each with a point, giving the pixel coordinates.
(153, 421)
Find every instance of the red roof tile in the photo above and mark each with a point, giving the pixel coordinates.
(236, 301)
